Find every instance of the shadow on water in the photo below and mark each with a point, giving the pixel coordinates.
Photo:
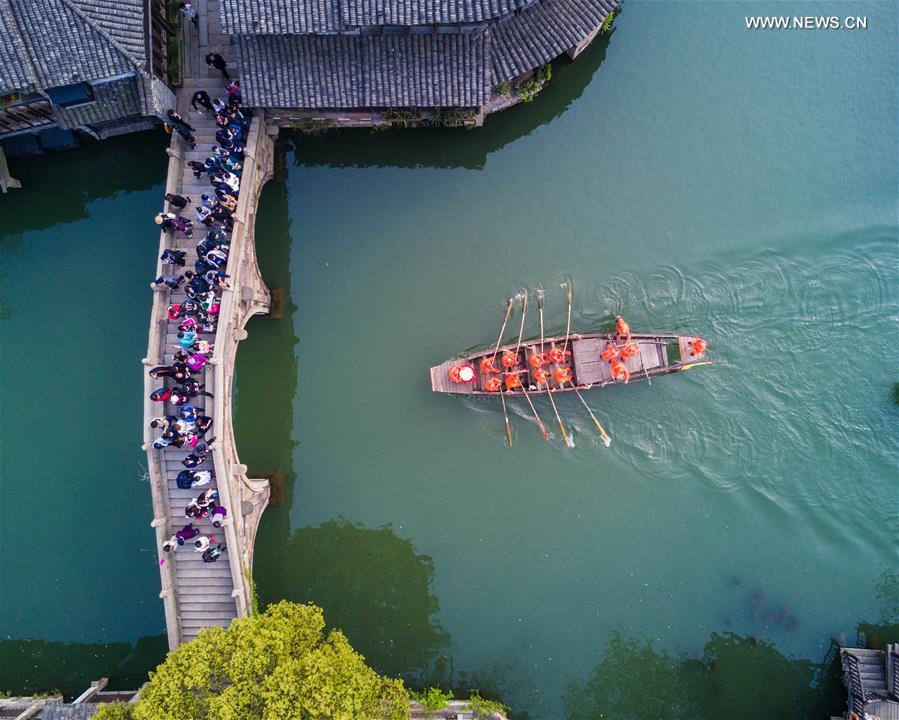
(371, 583)
(34, 666)
(455, 147)
(58, 187)
(373, 586)
(734, 676)
(267, 361)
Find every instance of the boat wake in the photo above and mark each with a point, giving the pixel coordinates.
(804, 342)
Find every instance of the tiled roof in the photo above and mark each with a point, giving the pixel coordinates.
(327, 16)
(347, 71)
(15, 70)
(119, 98)
(122, 20)
(274, 17)
(424, 12)
(284, 64)
(57, 42)
(543, 32)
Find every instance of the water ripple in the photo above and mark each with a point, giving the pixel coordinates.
(805, 344)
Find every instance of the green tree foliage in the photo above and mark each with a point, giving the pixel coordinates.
(606, 27)
(280, 665)
(433, 699)
(528, 90)
(116, 711)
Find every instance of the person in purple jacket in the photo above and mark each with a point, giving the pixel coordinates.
(218, 516)
(188, 532)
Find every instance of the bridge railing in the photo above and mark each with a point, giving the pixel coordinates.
(156, 470)
(245, 297)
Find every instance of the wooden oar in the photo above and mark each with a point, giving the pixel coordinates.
(495, 351)
(503, 329)
(688, 366)
(540, 307)
(534, 410)
(568, 326)
(524, 311)
(605, 436)
(536, 416)
(556, 411)
(502, 397)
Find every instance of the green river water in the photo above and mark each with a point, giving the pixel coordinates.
(687, 173)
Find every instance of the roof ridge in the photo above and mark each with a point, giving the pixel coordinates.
(140, 64)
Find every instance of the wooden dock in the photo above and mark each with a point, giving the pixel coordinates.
(198, 594)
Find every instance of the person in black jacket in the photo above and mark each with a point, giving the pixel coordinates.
(218, 62)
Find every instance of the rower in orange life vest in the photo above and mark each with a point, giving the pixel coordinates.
(493, 384)
(562, 375)
(510, 359)
(610, 352)
(557, 356)
(536, 360)
(620, 371)
(512, 381)
(623, 329)
(461, 373)
(488, 366)
(698, 346)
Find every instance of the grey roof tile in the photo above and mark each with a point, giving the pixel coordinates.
(15, 70)
(348, 71)
(542, 32)
(58, 42)
(273, 17)
(284, 63)
(116, 99)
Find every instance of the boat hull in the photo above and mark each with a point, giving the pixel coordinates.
(659, 354)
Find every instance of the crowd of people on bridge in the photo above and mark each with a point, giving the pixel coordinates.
(183, 423)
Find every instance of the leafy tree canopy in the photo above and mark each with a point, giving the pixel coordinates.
(280, 665)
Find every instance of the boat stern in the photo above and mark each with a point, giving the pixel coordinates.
(441, 381)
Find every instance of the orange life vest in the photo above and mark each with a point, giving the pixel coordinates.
(698, 346)
(536, 360)
(512, 381)
(629, 351)
(510, 359)
(462, 374)
(493, 384)
(609, 352)
(619, 371)
(562, 375)
(540, 375)
(487, 366)
(557, 356)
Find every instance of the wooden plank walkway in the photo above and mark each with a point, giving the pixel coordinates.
(199, 594)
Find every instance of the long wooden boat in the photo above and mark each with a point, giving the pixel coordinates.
(581, 361)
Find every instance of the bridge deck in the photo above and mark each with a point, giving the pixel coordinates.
(199, 594)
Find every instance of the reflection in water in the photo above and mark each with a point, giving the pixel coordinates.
(457, 148)
(34, 666)
(372, 585)
(58, 187)
(267, 447)
(735, 677)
